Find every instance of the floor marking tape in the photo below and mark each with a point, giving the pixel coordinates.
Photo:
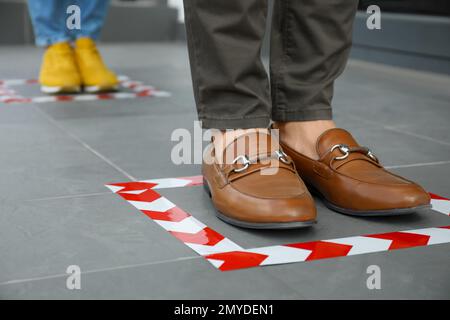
(139, 90)
(326, 249)
(440, 204)
(226, 255)
(173, 219)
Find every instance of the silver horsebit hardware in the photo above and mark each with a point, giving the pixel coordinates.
(346, 150)
(243, 159)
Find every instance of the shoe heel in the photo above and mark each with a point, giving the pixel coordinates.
(206, 187)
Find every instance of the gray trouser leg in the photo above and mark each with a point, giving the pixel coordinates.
(231, 87)
(310, 43)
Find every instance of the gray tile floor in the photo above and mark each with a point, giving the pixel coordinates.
(55, 211)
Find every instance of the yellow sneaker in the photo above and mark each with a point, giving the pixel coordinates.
(59, 72)
(95, 75)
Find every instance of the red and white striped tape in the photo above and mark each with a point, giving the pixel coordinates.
(17, 82)
(173, 219)
(440, 204)
(139, 90)
(324, 249)
(226, 255)
(21, 82)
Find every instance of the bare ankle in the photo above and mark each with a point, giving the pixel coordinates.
(302, 135)
(222, 138)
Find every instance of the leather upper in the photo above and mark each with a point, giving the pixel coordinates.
(268, 190)
(350, 176)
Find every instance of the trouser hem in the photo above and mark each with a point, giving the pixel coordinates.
(303, 115)
(44, 42)
(242, 123)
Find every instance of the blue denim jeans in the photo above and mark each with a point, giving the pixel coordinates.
(49, 19)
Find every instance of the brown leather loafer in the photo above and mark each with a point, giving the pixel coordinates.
(350, 179)
(259, 189)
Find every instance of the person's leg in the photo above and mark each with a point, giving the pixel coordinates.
(95, 75)
(48, 19)
(231, 87)
(59, 72)
(310, 44)
(93, 14)
(231, 90)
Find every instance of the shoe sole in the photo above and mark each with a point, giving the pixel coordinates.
(367, 213)
(64, 89)
(255, 225)
(97, 89)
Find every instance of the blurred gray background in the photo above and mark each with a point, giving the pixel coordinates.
(415, 33)
(56, 157)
